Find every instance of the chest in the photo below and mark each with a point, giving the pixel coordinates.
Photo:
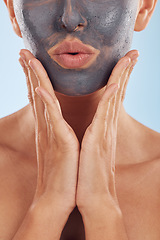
(138, 192)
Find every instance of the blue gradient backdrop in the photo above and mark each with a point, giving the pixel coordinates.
(143, 93)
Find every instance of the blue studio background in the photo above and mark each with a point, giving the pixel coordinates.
(143, 93)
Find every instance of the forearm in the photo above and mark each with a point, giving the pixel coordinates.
(104, 223)
(42, 224)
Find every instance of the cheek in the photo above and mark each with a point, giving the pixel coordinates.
(37, 19)
(113, 20)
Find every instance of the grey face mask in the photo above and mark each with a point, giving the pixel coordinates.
(105, 25)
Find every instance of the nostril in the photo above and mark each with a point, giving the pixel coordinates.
(80, 25)
(63, 26)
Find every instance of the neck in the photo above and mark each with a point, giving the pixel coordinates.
(79, 112)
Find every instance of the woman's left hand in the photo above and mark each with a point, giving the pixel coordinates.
(96, 180)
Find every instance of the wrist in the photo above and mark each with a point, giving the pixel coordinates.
(49, 209)
(104, 222)
(98, 204)
(40, 223)
(51, 202)
(99, 213)
(102, 215)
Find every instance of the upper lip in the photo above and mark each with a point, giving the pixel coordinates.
(71, 47)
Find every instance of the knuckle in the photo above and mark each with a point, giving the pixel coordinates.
(53, 101)
(32, 60)
(30, 98)
(34, 95)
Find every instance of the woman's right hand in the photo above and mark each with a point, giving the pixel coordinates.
(57, 146)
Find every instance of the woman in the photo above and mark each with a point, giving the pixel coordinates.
(75, 150)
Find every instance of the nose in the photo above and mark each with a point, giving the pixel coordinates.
(72, 19)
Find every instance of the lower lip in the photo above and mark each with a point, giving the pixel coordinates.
(73, 61)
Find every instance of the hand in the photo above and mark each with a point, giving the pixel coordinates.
(96, 180)
(57, 146)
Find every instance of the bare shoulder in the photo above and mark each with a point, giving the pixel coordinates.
(17, 131)
(9, 132)
(15, 163)
(10, 127)
(17, 175)
(143, 162)
(150, 140)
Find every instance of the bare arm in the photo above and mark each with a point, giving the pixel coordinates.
(104, 223)
(41, 223)
(96, 191)
(57, 151)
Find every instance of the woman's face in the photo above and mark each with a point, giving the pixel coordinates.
(105, 25)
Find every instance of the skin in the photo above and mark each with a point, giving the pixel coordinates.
(129, 170)
(105, 25)
(36, 76)
(131, 166)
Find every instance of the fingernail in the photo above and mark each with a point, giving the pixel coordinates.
(135, 56)
(127, 62)
(31, 64)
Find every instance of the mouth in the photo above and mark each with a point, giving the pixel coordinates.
(73, 54)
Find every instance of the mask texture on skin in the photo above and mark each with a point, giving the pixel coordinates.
(107, 25)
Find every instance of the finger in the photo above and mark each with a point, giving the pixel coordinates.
(28, 83)
(59, 127)
(113, 81)
(48, 94)
(39, 71)
(121, 79)
(118, 70)
(111, 132)
(54, 119)
(37, 103)
(122, 91)
(133, 54)
(99, 120)
(114, 111)
(115, 77)
(99, 123)
(129, 73)
(42, 75)
(54, 114)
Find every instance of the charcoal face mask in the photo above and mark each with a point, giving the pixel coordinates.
(106, 25)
